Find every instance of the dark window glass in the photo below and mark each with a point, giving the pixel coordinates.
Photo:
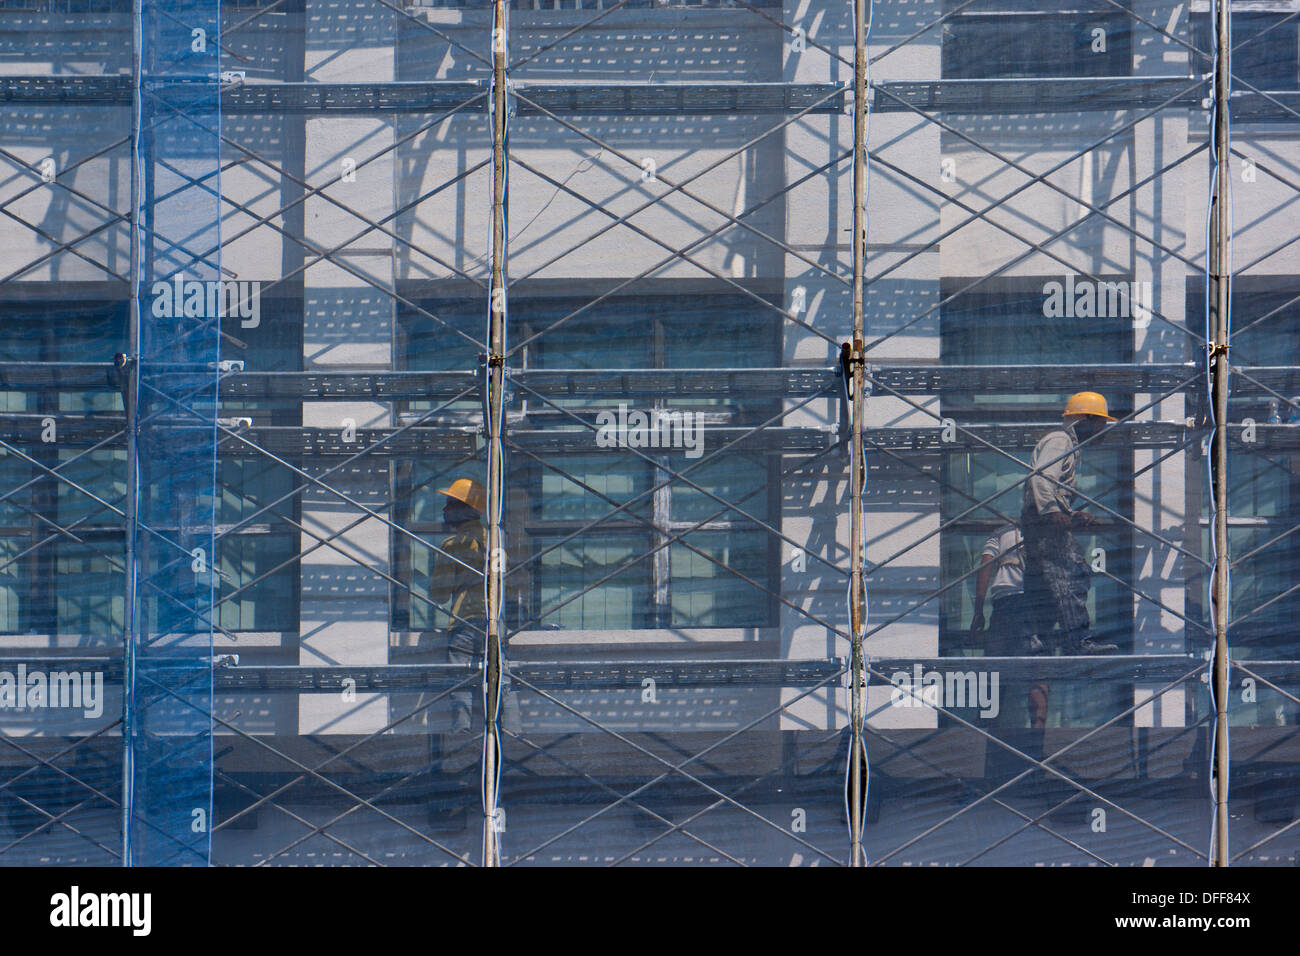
(1001, 322)
(1005, 39)
(569, 571)
(1266, 49)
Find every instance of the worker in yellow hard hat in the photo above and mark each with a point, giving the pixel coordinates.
(466, 491)
(1057, 576)
(457, 582)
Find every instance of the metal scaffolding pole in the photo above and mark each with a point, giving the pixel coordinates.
(857, 587)
(129, 393)
(494, 407)
(1220, 286)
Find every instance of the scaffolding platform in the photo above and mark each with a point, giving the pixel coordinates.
(258, 98)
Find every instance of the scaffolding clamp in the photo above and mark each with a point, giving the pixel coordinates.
(122, 372)
(851, 355)
(490, 360)
(1216, 348)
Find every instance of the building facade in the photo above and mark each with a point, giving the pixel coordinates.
(248, 296)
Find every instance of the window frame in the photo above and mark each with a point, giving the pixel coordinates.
(1121, 558)
(526, 529)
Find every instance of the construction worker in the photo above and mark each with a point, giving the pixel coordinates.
(457, 583)
(1010, 633)
(1002, 578)
(1057, 576)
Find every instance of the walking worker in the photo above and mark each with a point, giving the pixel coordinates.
(1002, 578)
(1057, 576)
(1010, 634)
(457, 583)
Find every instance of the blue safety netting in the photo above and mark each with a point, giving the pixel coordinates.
(171, 396)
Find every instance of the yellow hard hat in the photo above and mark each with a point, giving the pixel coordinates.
(467, 491)
(1087, 403)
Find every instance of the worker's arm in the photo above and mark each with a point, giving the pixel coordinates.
(1049, 465)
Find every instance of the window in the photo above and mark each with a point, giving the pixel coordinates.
(626, 572)
(1266, 47)
(68, 6)
(71, 581)
(1001, 322)
(418, 508)
(1006, 39)
(685, 584)
(1263, 477)
(61, 550)
(259, 575)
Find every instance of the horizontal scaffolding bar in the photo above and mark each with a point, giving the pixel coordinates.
(24, 430)
(704, 97)
(1110, 667)
(578, 674)
(229, 677)
(784, 439)
(669, 383)
(1041, 95)
(704, 673)
(1030, 95)
(1030, 379)
(436, 96)
(554, 384)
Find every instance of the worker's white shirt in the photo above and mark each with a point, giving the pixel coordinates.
(1006, 548)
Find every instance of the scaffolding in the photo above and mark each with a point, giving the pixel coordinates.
(279, 272)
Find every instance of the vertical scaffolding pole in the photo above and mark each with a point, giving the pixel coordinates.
(1220, 288)
(128, 386)
(495, 399)
(857, 587)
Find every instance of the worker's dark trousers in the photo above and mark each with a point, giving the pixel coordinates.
(465, 643)
(1009, 626)
(1024, 693)
(1057, 578)
(454, 757)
